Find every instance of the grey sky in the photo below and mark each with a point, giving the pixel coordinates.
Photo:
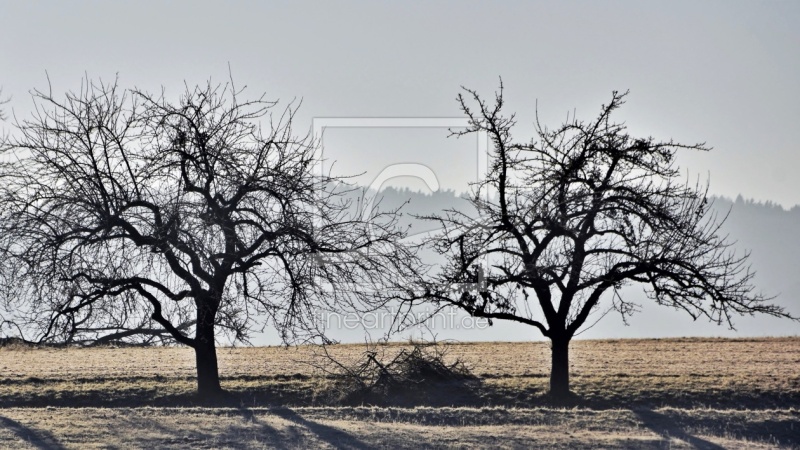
(723, 72)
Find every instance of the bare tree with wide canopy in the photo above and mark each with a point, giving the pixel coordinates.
(571, 217)
(130, 216)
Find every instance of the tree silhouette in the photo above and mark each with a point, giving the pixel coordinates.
(125, 214)
(573, 216)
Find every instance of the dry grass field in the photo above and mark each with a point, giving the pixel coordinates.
(669, 393)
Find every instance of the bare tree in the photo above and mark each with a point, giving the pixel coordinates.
(573, 216)
(125, 214)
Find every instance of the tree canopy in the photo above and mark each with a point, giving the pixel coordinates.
(572, 216)
(130, 215)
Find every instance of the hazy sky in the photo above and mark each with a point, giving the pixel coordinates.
(722, 72)
(727, 73)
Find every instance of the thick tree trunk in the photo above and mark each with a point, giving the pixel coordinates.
(559, 369)
(205, 352)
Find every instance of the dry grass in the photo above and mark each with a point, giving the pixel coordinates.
(679, 393)
(255, 428)
(746, 373)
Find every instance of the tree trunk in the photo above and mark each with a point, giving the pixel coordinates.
(205, 352)
(559, 369)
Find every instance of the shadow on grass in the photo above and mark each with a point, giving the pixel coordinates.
(668, 428)
(294, 392)
(37, 438)
(156, 433)
(337, 438)
(674, 424)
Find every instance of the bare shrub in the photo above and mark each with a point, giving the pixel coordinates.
(385, 373)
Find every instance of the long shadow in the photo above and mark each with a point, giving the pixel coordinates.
(276, 440)
(777, 430)
(40, 439)
(667, 428)
(333, 436)
(136, 422)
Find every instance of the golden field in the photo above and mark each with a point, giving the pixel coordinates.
(659, 393)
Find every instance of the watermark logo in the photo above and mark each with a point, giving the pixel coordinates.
(417, 168)
(420, 170)
(382, 320)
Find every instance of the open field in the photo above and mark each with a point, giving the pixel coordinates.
(674, 393)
